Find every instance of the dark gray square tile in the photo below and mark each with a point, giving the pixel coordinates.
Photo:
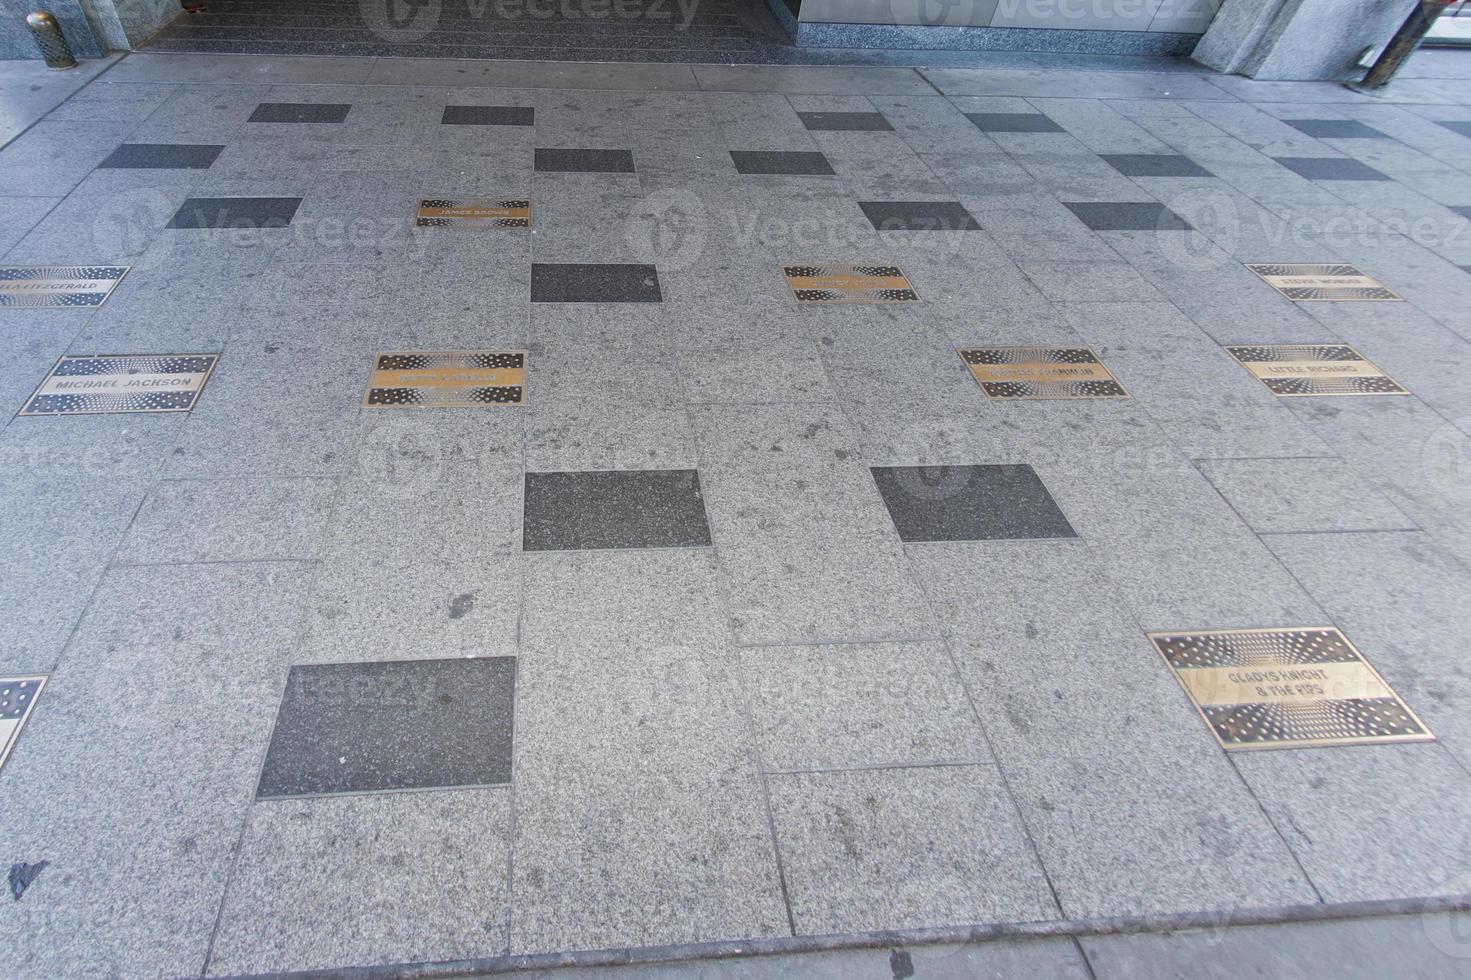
(408, 724)
(614, 509)
(1013, 122)
(584, 161)
(161, 156)
(845, 122)
(299, 112)
(1112, 216)
(1336, 129)
(799, 163)
(969, 503)
(1463, 210)
(1155, 165)
(488, 115)
(570, 282)
(235, 212)
(1462, 126)
(1330, 168)
(918, 216)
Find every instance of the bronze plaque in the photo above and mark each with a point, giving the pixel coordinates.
(17, 698)
(1331, 282)
(1286, 688)
(447, 379)
(473, 212)
(105, 384)
(1296, 370)
(54, 286)
(1041, 372)
(849, 284)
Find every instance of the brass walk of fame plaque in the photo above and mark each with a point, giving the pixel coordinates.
(1040, 372)
(473, 212)
(447, 379)
(1328, 282)
(55, 286)
(1286, 688)
(849, 284)
(1296, 370)
(105, 384)
(17, 698)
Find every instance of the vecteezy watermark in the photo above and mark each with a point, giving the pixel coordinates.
(408, 21)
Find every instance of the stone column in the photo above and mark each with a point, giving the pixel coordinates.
(1298, 39)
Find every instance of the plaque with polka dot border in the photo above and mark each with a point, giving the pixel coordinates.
(1323, 282)
(447, 379)
(473, 212)
(50, 287)
(1297, 687)
(17, 699)
(109, 384)
(1314, 370)
(849, 284)
(1020, 373)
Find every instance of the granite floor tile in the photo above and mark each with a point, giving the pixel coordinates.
(146, 665)
(638, 812)
(364, 609)
(228, 520)
(1155, 165)
(226, 213)
(444, 854)
(1460, 126)
(892, 848)
(1330, 168)
(1103, 755)
(584, 161)
(1110, 216)
(793, 162)
(299, 112)
(594, 283)
(1338, 129)
(842, 122)
(862, 704)
(941, 216)
(161, 156)
(375, 727)
(1283, 496)
(969, 503)
(488, 115)
(1013, 122)
(629, 509)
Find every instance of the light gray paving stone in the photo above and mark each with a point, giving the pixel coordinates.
(59, 533)
(860, 705)
(173, 66)
(1206, 402)
(1149, 517)
(1420, 946)
(1071, 83)
(51, 158)
(363, 860)
(590, 434)
(638, 811)
(1381, 822)
(904, 848)
(811, 80)
(443, 482)
(789, 502)
(745, 377)
(168, 790)
(363, 609)
(303, 406)
(108, 101)
(110, 218)
(1133, 809)
(18, 215)
(228, 520)
(1302, 494)
(1400, 598)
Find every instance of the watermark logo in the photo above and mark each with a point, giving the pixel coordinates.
(401, 21)
(668, 228)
